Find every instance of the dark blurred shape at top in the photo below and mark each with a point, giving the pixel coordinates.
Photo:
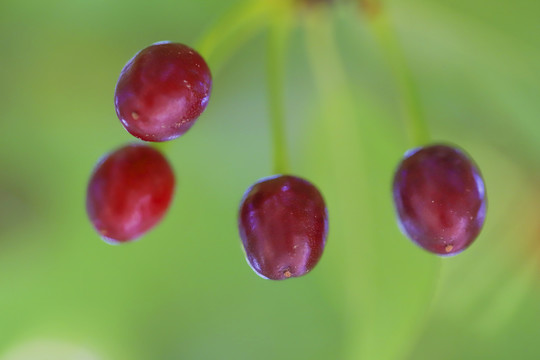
(316, 2)
(371, 7)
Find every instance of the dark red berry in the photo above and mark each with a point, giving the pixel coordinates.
(283, 224)
(161, 91)
(129, 192)
(440, 199)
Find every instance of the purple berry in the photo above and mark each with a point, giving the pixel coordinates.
(440, 199)
(162, 91)
(283, 225)
(129, 192)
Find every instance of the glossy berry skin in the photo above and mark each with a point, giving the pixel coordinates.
(161, 91)
(440, 199)
(129, 193)
(283, 225)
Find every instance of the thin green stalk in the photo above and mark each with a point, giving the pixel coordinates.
(277, 48)
(233, 30)
(341, 127)
(415, 124)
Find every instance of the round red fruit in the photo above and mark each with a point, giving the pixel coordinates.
(283, 225)
(129, 193)
(440, 199)
(162, 91)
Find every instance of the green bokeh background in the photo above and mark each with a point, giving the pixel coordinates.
(184, 291)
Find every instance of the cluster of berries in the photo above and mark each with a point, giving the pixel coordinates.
(283, 222)
(161, 92)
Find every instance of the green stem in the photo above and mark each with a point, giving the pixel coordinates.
(340, 126)
(327, 67)
(277, 48)
(380, 22)
(233, 30)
